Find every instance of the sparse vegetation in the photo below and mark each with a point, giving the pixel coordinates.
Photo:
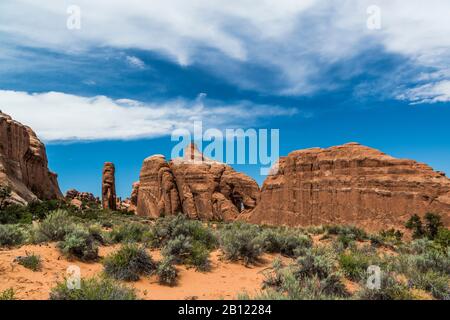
(8, 294)
(93, 289)
(241, 241)
(79, 243)
(129, 263)
(30, 261)
(288, 242)
(11, 235)
(167, 273)
(306, 270)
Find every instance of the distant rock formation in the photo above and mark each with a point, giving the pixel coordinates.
(109, 200)
(350, 184)
(24, 164)
(77, 198)
(194, 185)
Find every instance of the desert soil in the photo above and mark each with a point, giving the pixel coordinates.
(225, 280)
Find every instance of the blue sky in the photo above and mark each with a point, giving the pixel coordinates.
(115, 89)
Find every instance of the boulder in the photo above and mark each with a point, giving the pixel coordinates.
(350, 184)
(24, 164)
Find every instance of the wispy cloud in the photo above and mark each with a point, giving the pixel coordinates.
(135, 62)
(296, 41)
(428, 93)
(57, 116)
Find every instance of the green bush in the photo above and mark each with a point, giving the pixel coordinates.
(129, 263)
(167, 273)
(391, 289)
(170, 227)
(93, 289)
(354, 265)
(129, 232)
(317, 262)
(54, 227)
(350, 231)
(433, 222)
(7, 294)
(287, 283)
(434, 282)
(443, 238)
(288, 242)
(11, 235)
(30, 261)
(186, 250)
(79, 243)
(241, 241)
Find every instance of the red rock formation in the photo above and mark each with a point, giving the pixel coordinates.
(109, 187)
(350, 184)
(82, 196)
(23, 163)
(199, 187)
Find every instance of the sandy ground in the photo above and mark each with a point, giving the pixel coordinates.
(225, 281)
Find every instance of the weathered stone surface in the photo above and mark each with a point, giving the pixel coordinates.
(24, 164)
(199, 187)
(350, 184)
(82, 196)
(109, 187)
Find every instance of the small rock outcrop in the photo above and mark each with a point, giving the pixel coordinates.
(24, 164)
(197, 186)
(350, 184)
(79, 199)
(109, 200)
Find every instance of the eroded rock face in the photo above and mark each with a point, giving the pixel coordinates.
(196, 186)
(350, 184)
(24, 164)
(109, 200)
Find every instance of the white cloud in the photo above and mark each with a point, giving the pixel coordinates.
(428, 93)
(57, 116)
(135, 62)
(297, 39)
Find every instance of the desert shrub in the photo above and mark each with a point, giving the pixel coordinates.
(287, 283)
(318, 262)
(7, 294)
(390, 289)
(167, 273)
(287, 242)
(30, 261)
(11, 235)
(433, 222)
(188, 251)
(54, 227)
(93, 289)
(14, 214)
(129, 232)
(97, 233)
(354, 265)
(129, 263)
(241, 241)
(434, 282)
(170, 227)
(79, 243)
(415, 225)
(349, 231)
(435, 260)
(443, 238)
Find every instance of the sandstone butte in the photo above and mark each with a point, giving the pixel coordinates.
(24, 165)
(196, 186)
(350, 184)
